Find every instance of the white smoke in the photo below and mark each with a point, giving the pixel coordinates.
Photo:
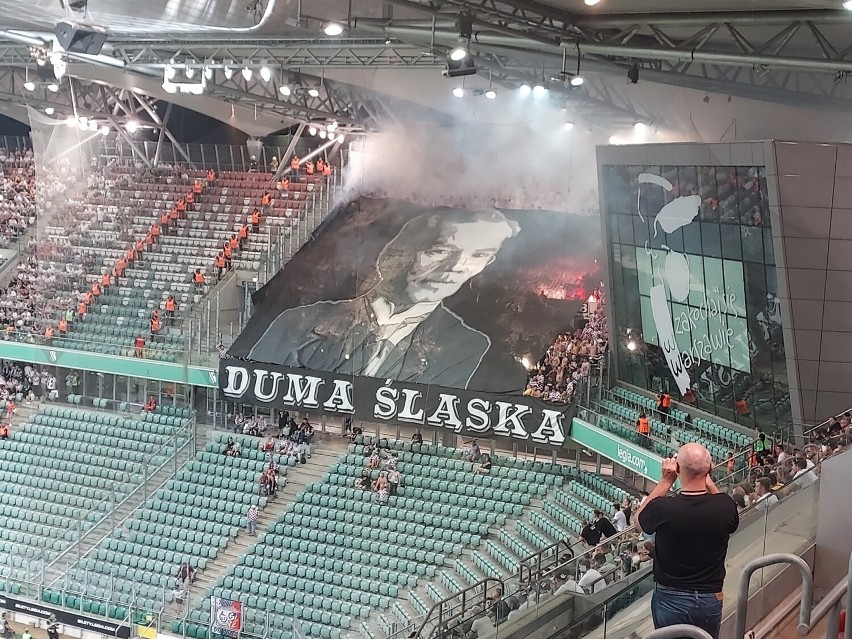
(533, 159)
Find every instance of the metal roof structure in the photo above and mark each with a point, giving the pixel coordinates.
(795, 53)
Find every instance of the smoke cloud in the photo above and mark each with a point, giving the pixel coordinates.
(518, 154)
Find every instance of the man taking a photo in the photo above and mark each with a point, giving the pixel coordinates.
(691, 531)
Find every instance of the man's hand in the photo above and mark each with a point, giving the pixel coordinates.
(710, 485)
(670, 470)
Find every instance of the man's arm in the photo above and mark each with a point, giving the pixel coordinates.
(711, 487)
(662, 488)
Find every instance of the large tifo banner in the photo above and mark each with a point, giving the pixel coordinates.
(458, 298)
(523, 419)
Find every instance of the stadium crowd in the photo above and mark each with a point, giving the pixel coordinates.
(568, 361)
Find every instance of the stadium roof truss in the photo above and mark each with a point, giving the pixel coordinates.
(791, 56)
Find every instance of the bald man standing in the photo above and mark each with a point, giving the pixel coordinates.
(691, 540)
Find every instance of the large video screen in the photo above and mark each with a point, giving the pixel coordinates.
(460, 298)
(693, 289)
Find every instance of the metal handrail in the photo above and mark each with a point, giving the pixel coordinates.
(806, 599)
(677, 631)
(462, 594)
(830, 605)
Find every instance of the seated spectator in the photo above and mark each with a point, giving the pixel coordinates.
(485, 467)
(268, 445)
(375, 459)
(150, 405)
(765, 497)
(473, 453)
(365, 482)
(4, 431)
(592, 581)
(417, 437)
(804, 476)
(564, 584)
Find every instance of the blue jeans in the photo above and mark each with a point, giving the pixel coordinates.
(670, 606)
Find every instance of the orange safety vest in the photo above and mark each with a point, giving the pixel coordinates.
(140, 246)
(255, 217)
(244, 230)
(181, 205)
(87, 298)
(235, 243)
(105, 279)
(294, 163)
(309, 167)
(190, 198)
(48, 332)
(155, 230)
(170, 304)
(220, 260)
(4, 431)
(63, 325)
(326, 170)
(198, 278)
(164, 219)
(644, 426)
(667, 401)
(149, 239)
(266, 200)
(96, 289)
(174, 214)
(197, 188)
(741, 406)
(81, 308)
(227, 250)
(211, 175)
(155, 324)
(131, 254)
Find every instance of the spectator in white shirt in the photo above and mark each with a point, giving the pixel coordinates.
(619, 520)
(592, 581)
(765, 498)
(804, 476)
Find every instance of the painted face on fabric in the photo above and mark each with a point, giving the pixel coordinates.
(462, 251)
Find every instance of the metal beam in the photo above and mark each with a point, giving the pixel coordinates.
(162, 134)
(143, 102)
(130, 141)
(285, 159)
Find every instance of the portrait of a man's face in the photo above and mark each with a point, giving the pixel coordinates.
(433, 256)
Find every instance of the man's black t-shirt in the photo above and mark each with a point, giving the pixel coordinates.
(691, 539)
(605, 526)
(591, 534)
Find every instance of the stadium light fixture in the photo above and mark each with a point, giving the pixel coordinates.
(189, 72)
(53, 87)
(539, 90)
(322, 134)
(247, 73)
(848, 5)
(340, 137)
(229, 73)
(265, 73)
(29, 85)
(132, 126)
(285, 90)
(93, 126)
(524, 90)
(491, 94)
(577, 81)
(169, 72)
(458, 92)
(169, 87)
(59, 65)
(49, 110)
(569, 126)
(591, 3)
(82, 123)
(314, 93)
(333, 29)
(104, 130)
(458, 54)
(70, 121)
(208, 73)
(312, 130)
(631, 346)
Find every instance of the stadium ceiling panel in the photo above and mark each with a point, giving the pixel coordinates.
(796, 53)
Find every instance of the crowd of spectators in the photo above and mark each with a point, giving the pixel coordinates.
(287, 438)
(17, 194)
(20, 382)
(568, 361)
(384, 462)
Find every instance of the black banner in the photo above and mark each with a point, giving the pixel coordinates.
(451, 297)
(66, 617)
(489, 415)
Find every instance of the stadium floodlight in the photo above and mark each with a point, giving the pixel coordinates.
(332, 126)
(322, 134)
(569, 126)
(524, 90)
(333, 29)
(539, 90)
(104, 130)
(190, 72)
(491, 94)
(265, 73)
(458, 54)
(60, 66)
(53, 87)
(132, 126)
(229, 73)
(169, 87)
(247, 73)
(340, 137)
(285, 90)
(29, 85)
(591, 3)
(82, 123)
(458, 92)
(169, 72)
(93, 126)
(70, 121)
(312, 130)
(577, 81)
(848, 5)
(49, 110)
(314, 93)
